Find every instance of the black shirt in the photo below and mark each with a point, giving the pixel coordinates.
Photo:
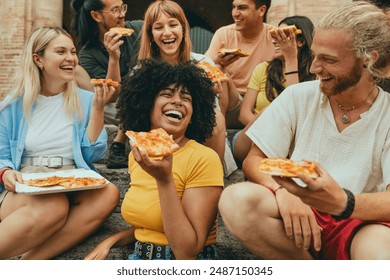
(94, 57)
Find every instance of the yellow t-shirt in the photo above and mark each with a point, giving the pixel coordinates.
(194, 166)
(258, 83)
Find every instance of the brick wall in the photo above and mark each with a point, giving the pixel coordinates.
(18, 19)
(313, 9)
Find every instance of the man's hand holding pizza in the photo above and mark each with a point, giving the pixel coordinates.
(112, 42)
(322, 192)
(225, 59)
(298, 218)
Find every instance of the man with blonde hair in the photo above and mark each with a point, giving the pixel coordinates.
(342, 123)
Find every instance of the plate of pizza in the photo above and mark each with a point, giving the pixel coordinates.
(60, 181)
(213, 73)
(156, 143)
(287, 167)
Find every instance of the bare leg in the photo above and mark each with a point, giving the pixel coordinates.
(224, 98)
(243, 144)
(217, 140)
(371, 242)
(91, 210)
(251, 214)
(120, 136)
(27, 221)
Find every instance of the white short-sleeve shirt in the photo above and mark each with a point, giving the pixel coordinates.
(299, 124)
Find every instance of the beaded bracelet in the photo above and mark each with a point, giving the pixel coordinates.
(350, 206)
(291, 72)
(2, 171)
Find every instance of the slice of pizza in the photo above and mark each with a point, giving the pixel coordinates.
(83, 182)
(287, 167)
(48, 181)
(156, 143)
(123, 31)
(236, 51)
(286, 30)
(98, 81)
(212, 72)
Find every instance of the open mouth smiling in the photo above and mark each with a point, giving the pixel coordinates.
(174, 114)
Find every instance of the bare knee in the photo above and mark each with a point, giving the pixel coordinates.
(49, 213)
(101, 202)
(371, 242)
(242, 204)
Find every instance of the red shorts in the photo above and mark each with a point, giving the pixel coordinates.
(337, 236)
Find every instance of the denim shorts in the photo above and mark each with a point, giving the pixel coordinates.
(234, 138)
(134, 257)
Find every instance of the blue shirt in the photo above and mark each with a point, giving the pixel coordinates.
(13, 131)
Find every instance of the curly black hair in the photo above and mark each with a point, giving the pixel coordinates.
(141, 86)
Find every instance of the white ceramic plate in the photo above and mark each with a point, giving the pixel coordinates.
(25, 189)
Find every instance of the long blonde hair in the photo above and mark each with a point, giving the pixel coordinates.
(28, 78)
(148, 48)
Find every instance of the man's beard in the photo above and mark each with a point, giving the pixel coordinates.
(344, 82)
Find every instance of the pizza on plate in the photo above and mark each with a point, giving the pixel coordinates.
(97, 81)
(123, 31)
(287, 167)
(156, 143)
(236, 51)
(286, 30)
(47, 181)
(212, 72)
(67, 182)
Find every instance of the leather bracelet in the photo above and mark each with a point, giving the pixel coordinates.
(350, 206)
(2, 171)
(278, 188)
(291, 72)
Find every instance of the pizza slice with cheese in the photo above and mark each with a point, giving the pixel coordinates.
(83, 182)
(213, 73)
(123, 31)
(110, 82)
(156, 143)
(287, 167)
(235, 51)
(47, 181)
(286, 30)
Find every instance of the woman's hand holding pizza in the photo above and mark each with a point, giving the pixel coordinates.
(160, 169)
(322, 193)
(103, 95)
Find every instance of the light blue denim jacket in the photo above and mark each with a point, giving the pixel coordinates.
(13, 131)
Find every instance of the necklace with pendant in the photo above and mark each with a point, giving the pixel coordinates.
(345, 109)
